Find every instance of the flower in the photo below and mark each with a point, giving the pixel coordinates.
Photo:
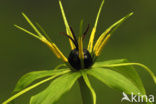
(76, 45)
(117, 74)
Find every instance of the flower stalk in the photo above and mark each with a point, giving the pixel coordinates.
(85, 92)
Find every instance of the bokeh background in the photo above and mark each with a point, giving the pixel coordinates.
(21, 53)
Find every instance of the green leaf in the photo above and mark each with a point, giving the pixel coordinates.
(114, 80)
(122, 63)
(56, 89)
(28, 78)
(32, 86)
(127, 71)
(109, 62)
(85, 77)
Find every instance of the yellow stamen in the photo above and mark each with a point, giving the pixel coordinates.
(106, 34)
(66, 25)
(41, 37)
(99, 49)
(99, 41)
(50, 45)
(60, 53)
(91, 40)
(90, 44)
(55, 50)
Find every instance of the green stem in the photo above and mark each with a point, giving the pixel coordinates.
(86, 79)
(85, 92)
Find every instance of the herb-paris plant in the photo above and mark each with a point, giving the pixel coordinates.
(118, 74)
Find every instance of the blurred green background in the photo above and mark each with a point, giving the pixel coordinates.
(21, 53)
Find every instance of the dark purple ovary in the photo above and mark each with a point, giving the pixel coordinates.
(75, 62)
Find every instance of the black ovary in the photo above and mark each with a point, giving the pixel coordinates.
(75, 62)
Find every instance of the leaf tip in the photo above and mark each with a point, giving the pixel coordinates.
(59, 0)
(155, 79)
(14, 25)
(131, 13)
(23, 13)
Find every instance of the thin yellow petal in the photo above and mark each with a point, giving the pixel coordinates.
(91, 40)
(66, 25)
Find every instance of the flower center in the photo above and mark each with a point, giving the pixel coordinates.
(75, 61)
